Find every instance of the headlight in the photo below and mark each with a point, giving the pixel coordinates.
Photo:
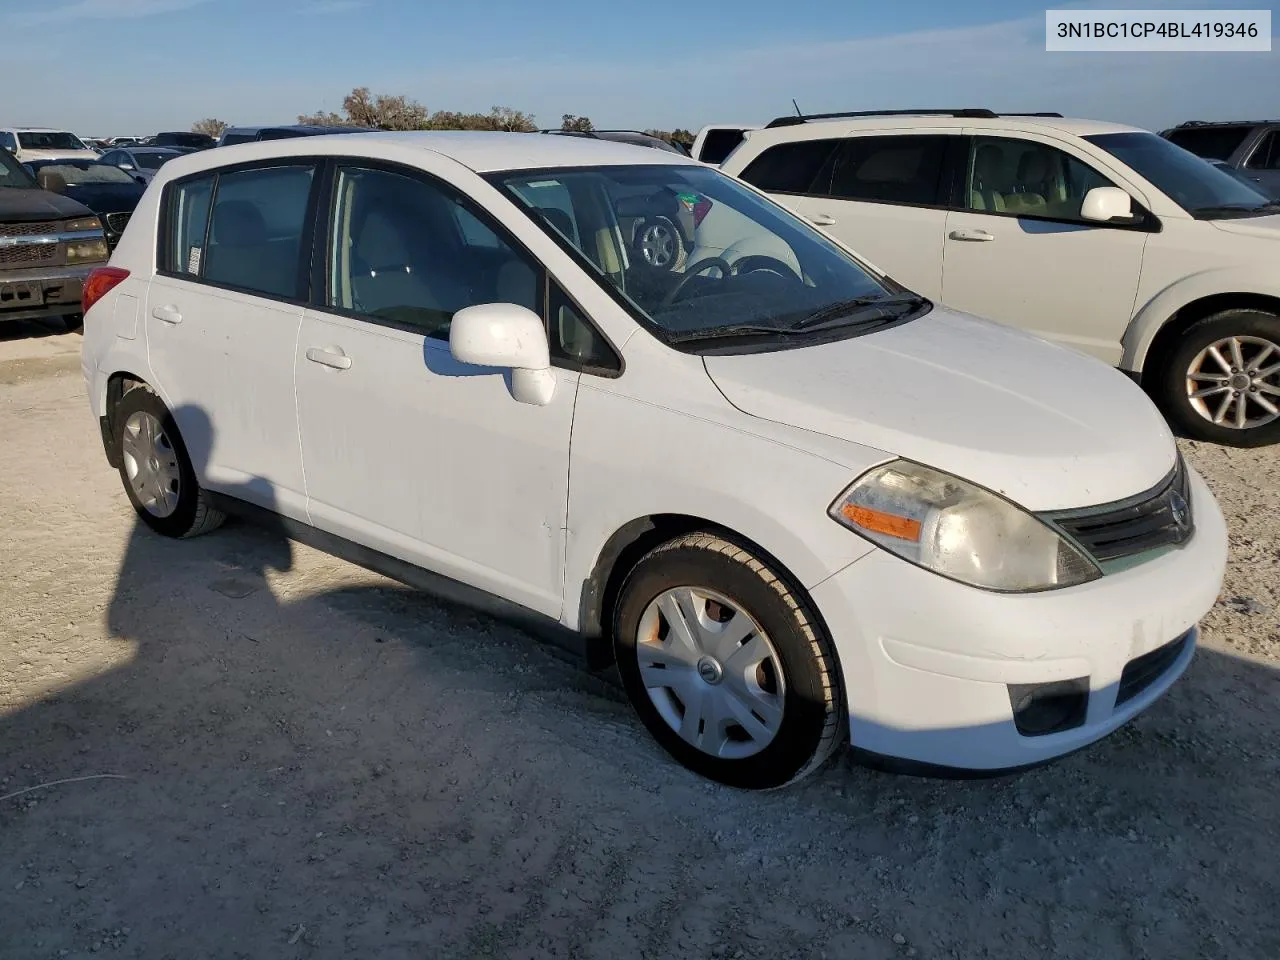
(87, 251)
(959, 530)
(83, 225)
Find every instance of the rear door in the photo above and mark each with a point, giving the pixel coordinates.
(222, 322)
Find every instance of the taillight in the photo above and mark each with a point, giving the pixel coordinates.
(700, 210)
(99, 283)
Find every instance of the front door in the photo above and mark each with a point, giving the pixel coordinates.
(407, 450)
(222, 322)
(1020, 254)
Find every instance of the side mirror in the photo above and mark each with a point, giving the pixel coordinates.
(510, 336)
(1106, 203)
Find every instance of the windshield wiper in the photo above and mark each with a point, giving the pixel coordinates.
(738, 330)
(844, 309)
(1233, 210)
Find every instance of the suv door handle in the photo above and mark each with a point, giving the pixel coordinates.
(167, 313)
(973, 236)
(330, 358)
(823, 220)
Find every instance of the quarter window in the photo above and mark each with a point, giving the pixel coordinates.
(904, 169)
(796, 167)
(1212, 143)
(1024, 178)
(255, 239)
(1267, 155)
(188, 225)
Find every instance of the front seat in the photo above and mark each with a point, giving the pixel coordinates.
(384, 279)
(1031, 190)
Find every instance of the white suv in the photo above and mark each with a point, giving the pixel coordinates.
(1102, 237)
(44, 143)
(793, 499)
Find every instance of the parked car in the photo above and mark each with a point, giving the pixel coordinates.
(106, 190)
(185, 140)
(1251, 147)
(794, 503)
(1241, 177)
(234, 135)
(716, 141)
(634, 137)
(141, 163)
(1100, 236)
(43, 143)
(48, 244)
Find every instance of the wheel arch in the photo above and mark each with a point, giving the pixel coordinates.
(1166, 336)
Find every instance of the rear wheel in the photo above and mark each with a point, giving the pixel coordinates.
(1222, 380)
(727, 665)
(156, 470)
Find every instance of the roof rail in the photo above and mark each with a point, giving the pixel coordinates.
(1219, 123)
(970, 112)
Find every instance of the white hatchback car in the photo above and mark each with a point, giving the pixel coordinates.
(1102, 237)
(797, 501)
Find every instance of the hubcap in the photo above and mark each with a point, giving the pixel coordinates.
(151, 464)
(711, 672)
(657, 245)
(1235, 382)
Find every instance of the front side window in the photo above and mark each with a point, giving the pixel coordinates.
(152, 159)
(1212, 143)
(1267, 154)
(1194, 184)
(795, 167)
(750, 269)
(1024, 178)
(902, 169)
(42, 140)
(115, 157)
(412, 253)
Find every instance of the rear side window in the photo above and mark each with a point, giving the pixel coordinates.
(1267, 156)
(718, 144)
(1212, 143)
(903, 169)
(791, 167)
(255, 238)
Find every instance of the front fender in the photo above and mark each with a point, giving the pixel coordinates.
(1165, 303)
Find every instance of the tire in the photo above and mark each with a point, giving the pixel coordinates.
(1192, 366)
(791, 702)
(189, 513)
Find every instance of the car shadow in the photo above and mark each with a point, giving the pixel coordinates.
(322, 761)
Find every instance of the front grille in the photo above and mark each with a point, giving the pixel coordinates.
(1161, 517)
(116, 222)
(1143, 671)
(25, 256)
(36, 228)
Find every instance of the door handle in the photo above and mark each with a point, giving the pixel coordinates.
(168, 314)
(973, 236)
(823, 220)
(329, 358)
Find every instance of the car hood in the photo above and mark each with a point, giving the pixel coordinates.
(35, 204)
(1048, 428)
(1268, 227)
(107, 197)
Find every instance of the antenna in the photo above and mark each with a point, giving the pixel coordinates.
(797, 106)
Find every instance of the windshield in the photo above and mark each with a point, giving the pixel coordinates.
(40, 140)
(79, 174)
(698, 256)
(12, 173)
(1194, 184)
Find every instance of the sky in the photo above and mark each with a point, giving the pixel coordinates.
(153, 65)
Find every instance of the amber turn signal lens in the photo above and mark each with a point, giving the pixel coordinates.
(888, 524)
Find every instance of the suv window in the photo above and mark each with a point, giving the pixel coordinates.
(1267, 154)
(413, 253)
(793, 167)
(718, 144)
(7, 141)
(1024, 178)
(896, 169)
(1212, 143)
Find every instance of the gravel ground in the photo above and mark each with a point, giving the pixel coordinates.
(313, 761)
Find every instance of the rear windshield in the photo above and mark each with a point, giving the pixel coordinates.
(38, 140)
(1212, 143)
(718, 144)
(78, 174)
(233, 138)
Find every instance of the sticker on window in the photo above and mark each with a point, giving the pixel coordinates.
(193, 260)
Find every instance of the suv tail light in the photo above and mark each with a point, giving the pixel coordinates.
(99, 283)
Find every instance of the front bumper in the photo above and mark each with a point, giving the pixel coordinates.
(42, 292)
(932, 667)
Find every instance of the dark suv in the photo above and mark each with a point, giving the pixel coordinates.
(48, 245)
(1252, 147)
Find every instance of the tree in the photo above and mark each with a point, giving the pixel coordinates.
(380, 111)
(209, 126)
(512, 121)
(576, 124)
(675, 136)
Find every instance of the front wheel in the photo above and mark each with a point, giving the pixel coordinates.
(1222, 380)
(727, 666)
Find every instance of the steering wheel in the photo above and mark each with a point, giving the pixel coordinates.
(692, 271)
(759, 263)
